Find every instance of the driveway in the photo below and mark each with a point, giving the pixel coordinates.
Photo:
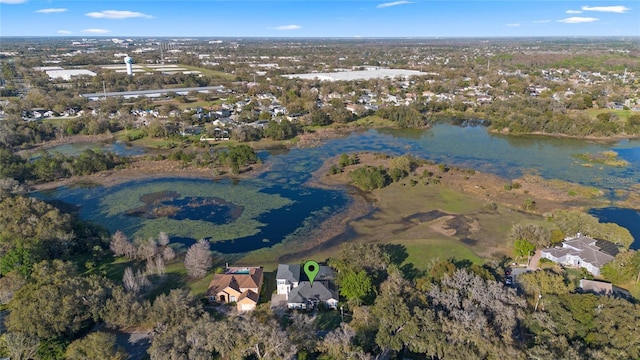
(534, 261)
(279, 304)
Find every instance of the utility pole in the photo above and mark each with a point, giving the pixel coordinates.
(104, 90)
(537, 302)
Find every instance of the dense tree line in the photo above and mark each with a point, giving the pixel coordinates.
(545, 115)
(48, 167)
(16, 132)
(404, 116)
(32, 230)
(237, 157)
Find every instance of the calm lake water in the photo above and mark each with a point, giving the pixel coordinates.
(469, 147)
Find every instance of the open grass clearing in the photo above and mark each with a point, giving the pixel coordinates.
(422, 251)
(622, 114)
(209, 72)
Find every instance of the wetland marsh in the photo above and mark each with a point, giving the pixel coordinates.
(281, 214)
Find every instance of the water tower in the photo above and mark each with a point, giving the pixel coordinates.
(129, 62)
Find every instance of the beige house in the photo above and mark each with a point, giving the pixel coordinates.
(603, 288)
(240, 285)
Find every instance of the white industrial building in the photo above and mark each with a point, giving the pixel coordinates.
(66, 75)
(358, 75)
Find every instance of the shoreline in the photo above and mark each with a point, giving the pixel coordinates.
(604, 139)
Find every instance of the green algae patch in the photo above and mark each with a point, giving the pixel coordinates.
(133, 209)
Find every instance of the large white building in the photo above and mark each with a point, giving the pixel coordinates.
(66, 75)
(579, 251)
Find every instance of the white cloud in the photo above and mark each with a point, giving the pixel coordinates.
(513, 25)
(578, 20)
(395, 3)
(541, 21)
(619, 9)
(50, 11)
(574, 11)
(64, 32)
(117, 14)
(95, 31)
(288, 27)
(12, 1)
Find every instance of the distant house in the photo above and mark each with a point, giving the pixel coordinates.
(602, 288)
(579, 251)
(300, 293)
(240, 285)
(614, 106)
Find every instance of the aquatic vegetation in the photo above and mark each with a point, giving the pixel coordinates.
(186, 209)
(608, 157)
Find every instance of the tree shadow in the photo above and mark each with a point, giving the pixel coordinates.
(410, 272)
(461, 263)
(397, 253)
(165, 283)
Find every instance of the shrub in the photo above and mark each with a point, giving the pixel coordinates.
(369, 178)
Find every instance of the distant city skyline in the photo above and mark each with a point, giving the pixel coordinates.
(303, 18)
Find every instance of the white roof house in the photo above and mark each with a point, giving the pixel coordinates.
(579, 251)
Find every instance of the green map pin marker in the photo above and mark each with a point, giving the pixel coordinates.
(311, 268)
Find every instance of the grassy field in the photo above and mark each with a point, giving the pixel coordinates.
(59, 123)
(198, 103)
(422, 251)
(208, 72)
(622, 114)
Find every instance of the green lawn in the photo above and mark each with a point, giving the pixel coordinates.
(623, 114)
(59, 122)
(421, 252)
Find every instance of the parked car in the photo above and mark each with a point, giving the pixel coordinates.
(508, 281)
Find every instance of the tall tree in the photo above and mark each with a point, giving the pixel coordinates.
(339, 344)
(96, 345)
(198, 259)
(20, 346)
(57, 302)
(355, 286)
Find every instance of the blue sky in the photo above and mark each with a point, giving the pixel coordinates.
(308, 18)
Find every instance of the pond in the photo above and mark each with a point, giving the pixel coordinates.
(251, 214)
(627, 218)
